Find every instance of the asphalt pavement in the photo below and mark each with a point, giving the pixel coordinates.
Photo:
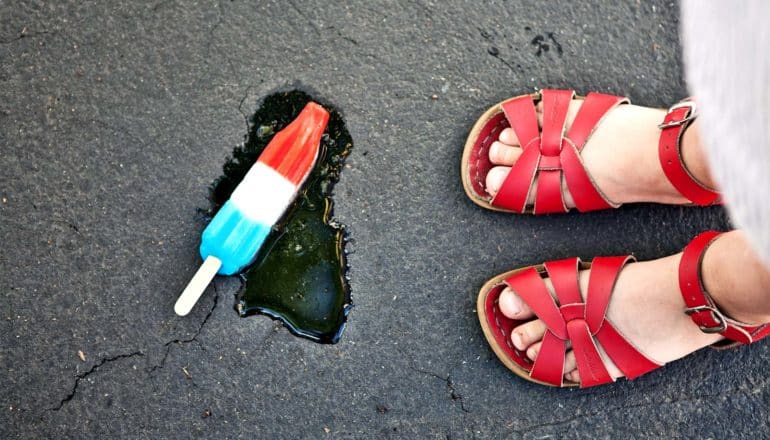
(115, 117)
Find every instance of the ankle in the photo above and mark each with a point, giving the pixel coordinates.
(694, 156)
(736, 279)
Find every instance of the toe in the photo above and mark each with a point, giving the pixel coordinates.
(573, 376)
(495, 178)
(527, 334)
(539, 112)
(508, 137)
(533, 350)
(513, 306)
(570, 364)
(503, 154)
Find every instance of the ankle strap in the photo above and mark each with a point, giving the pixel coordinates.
(701, 308)
(678, 118)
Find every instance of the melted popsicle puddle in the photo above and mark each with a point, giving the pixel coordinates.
(299, 275)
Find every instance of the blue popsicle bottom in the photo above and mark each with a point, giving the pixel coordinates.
(233, 238)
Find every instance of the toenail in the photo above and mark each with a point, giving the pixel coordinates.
(532, 353)
(517, 340)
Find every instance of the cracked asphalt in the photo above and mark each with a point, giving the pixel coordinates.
(114, 120)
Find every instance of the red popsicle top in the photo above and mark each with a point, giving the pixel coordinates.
(293, 151)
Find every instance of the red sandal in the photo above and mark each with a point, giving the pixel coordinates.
(584, 324)
(550, 155)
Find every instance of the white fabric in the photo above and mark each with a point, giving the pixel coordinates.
(727, 65)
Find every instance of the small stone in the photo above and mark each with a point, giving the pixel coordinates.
(206, 413)
(81, 355)
(493, 51)
(434, 97)
(186, 372)
(327, 430)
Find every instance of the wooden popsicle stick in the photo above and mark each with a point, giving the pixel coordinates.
(197, 285)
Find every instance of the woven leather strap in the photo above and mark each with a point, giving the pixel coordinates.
(549, 155)
(583, 323)
(678, 118)
(700, 306)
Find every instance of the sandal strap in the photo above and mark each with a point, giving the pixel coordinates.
(676, 121)
(700, 306)
(583, 323)
(549, 154)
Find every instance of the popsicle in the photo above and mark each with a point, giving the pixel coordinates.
(232, 239)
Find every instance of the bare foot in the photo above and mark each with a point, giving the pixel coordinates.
(647, 307)
(621, 156)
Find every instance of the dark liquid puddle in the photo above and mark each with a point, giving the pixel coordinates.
(299, 275)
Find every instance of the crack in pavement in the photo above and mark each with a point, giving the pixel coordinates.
(305, 17)
(453, 394)
(212, 38)
(493, 50)
(194, 338)
(138, 353)
(502, 60)
(667, 401)
(240, 109)
(320, 30)
(93, 369)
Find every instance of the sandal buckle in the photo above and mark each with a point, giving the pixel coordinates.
(716, 315)
(689, 117)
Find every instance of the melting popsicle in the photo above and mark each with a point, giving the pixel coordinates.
(232, 239)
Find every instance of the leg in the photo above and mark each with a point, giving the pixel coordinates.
(727, 70)
(737, 279)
